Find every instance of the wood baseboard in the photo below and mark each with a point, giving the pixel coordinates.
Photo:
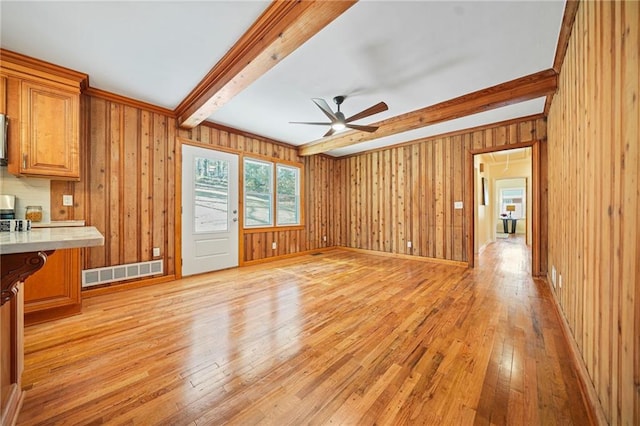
(407, 256)
(287, 256)
(37, 317)
(589, 394)
(13, 404)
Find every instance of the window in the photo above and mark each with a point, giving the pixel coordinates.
(513, 197)
(287, 195)
(258, 202)
(271, 191)
(211, 193)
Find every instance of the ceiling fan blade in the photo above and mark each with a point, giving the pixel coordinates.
(369, 129)
(313, 123)
(329, 133)
(379, 107)
(322, 104)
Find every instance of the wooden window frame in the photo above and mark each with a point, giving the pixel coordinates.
(274, 227)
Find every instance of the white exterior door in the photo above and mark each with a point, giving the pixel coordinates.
(209, 210)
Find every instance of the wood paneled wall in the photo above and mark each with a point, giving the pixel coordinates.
(594, 200)
(384, 199)
(127, 189)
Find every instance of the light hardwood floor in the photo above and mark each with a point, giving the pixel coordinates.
(336, 338)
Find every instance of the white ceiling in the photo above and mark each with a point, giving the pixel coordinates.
(410, 54)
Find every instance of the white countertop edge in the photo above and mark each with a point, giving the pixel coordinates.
(43, 239)
(57, 224)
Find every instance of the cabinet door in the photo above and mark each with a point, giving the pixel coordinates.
(54, 291)
(50, 130)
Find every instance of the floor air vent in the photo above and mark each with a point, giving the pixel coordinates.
(110, 274)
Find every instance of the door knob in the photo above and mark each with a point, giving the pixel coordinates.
(235, 211)
(235, 219)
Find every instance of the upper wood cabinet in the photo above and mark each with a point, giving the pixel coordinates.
(42, 102)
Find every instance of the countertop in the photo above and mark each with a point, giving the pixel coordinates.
(57, 224)
(41, 239)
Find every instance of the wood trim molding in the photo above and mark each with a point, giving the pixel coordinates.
(470, 211)
(405, 256)
(446, 135)
(589, 394)
(112, 97)
(521, 89)
(283, 27)
(22, 63)
(287, 256)
(246, 134)
(569, 17)
(536, 185)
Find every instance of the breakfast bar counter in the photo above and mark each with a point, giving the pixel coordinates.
(43, 239)
(22, 254)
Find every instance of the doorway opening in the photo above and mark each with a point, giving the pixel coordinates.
(504, 204)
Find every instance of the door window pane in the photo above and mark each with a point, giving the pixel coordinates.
(211, 195)
(288, 195)
(258, 202)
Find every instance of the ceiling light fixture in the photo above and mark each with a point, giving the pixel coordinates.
(337, 126)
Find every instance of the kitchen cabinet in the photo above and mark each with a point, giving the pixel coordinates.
(53, 292)
(11, 358)
(21, 255)
(42, 102)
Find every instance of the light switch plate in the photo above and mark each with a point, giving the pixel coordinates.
(457, 205)
(67, 200)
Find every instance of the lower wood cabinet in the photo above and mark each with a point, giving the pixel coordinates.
(54, 291)
(11, 358)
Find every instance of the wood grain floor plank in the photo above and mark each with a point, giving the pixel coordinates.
(340, 337)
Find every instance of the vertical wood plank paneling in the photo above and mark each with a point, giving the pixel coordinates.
(407, 193)
(146, 182)
(98, 181)
(131, 183)
(160, 205)
(593, 200)
(170, 191)
(115, 230)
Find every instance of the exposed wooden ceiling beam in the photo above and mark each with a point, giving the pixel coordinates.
(283, 27)
(514, 91)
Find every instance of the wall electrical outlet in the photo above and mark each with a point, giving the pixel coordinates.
(156, 251)
(458, 205)
(274, 245)
(408, 244)
(324, 238)
(553, 276)
(67, 200)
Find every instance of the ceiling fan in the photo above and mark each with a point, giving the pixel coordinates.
(338, 121)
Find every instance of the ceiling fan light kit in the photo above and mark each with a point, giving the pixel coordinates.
(337, 119)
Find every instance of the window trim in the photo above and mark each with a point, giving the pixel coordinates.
(296, 193)
(270, 193)
(251, 229)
